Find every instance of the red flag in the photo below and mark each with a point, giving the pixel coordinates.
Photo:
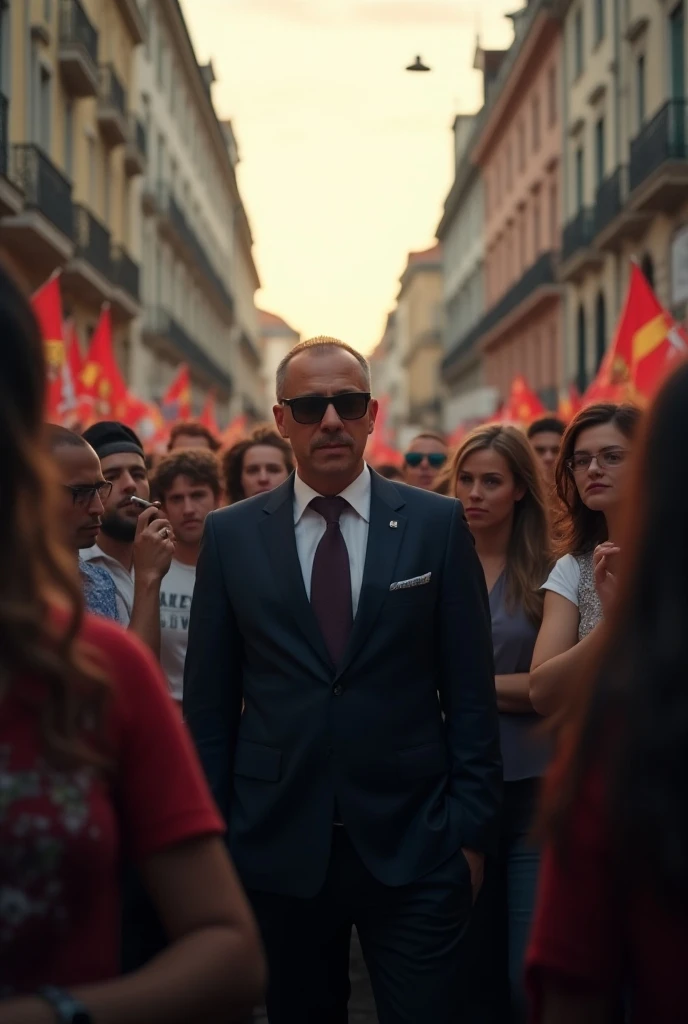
(523, 405)
(101, 380)
(569, 403)
(234, 431)
(47, 306)
(380, 449)
(176, 402)
(207, 417)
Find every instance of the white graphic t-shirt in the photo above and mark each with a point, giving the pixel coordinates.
(175, 606)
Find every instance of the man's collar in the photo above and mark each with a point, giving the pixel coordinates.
(357, 494)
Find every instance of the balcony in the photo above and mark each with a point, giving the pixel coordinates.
(87, 275)
(539, 285)
(43, 229)
(133, 19)
(126, 280)
(112, 107)
(135, 153)
(10, 195)
(578, 254)
(615, 222)
(165, 334)
(175, 226)
(658, 170)
(78, 50)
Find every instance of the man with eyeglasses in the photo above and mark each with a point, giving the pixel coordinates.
(339, 687)
(84, 490)
(426, 456)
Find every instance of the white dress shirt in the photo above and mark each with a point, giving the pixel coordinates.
(310, 526)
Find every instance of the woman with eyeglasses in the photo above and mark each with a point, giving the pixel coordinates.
(495, 475)
(590, 478)
(426, 456)
(95, 767)
(611, 922)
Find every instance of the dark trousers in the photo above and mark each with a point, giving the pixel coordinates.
(491, 989)
(409, 936)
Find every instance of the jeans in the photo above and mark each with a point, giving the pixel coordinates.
(494, 945)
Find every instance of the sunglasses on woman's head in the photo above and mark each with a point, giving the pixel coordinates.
(352, 405)
(435, 459)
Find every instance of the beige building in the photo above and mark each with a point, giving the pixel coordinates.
(625, 165)
(418, 334)
(277, 338)
(70, 150)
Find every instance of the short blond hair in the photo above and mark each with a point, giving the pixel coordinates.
(321, 342)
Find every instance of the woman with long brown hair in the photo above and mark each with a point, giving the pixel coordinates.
(256, 464)
(611, 925)
(95, 766)
(495, 475)
(590, 477)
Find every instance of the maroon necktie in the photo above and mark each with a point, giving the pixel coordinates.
(331, 579)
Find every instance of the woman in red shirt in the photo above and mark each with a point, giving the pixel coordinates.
(95, 766)
(611, 924)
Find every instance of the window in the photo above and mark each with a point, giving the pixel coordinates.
(579, 180)
(599, 21)
(91, 144)
(69, 138)
(44, 108)
(640, 90)
(677, 53)
(600, 330)
(552, 95)
(578, 43)
(581, 354)
(521, 146)
(599, 152)
(536, 122)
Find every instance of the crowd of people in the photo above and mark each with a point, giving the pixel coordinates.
(252, 699)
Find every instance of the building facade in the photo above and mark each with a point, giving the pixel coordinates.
(518, 152)
(198, 272)
(418, 332)
(625, 166)
(277, 338)
(70, 154)
(461, 233)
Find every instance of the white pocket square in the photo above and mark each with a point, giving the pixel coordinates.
(417, 581)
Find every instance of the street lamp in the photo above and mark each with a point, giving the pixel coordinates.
(418, 65)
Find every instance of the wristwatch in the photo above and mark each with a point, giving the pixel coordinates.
(68, 1010)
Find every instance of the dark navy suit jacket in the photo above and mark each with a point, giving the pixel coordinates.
(404, 732)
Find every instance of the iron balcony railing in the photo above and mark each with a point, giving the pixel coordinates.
(45, 188)
(92, 241)
(610, 199)
(158, 321)
(578, 233)
(663, 138)
(125, 271)
(540, 274)
(4, 144)
(111, 92)
(77, 30)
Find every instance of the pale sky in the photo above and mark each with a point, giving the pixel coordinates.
(345, 158)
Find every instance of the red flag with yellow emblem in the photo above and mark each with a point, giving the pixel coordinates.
(101, 380)
(207, 417)
(47, 306)
(523, 405)
(176, 402)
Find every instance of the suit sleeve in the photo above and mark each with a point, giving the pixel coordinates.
(212, 674)
(467, 689)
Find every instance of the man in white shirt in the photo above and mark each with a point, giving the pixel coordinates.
(188, 485)
(135, 546)
(339, 687)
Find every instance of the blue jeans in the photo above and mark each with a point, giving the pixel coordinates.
(494, 945)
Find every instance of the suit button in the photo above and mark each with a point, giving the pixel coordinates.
(337, 690)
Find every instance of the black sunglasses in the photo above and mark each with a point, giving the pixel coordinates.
(83, 494)
(352, 405)
(435, 459)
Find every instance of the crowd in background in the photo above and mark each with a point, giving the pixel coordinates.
(583, 912)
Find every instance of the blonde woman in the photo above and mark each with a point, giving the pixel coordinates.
(495, 475)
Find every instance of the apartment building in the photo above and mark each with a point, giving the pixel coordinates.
(625, 164)
(418, 331)
(277, 338)
(461, 233)
(198, 274)
(518, 152)
(70, 152)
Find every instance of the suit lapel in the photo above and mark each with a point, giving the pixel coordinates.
(278, 534)
(384, 543)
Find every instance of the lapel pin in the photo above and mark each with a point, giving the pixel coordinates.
(393, 523)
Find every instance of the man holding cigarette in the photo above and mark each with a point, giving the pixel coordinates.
(135, 543)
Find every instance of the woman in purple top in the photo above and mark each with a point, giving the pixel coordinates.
(495, 475)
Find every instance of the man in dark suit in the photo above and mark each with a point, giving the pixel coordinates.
(361, 782)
